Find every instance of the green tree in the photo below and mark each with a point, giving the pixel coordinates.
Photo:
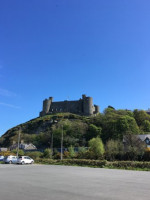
(96, 147)
(113, 149)
(140, 116)
(93, 131)
(126, 124)
(47, 153)
(145, 126)
(71, 152)
(134, 147)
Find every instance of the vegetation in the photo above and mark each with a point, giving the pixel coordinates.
(130, 165)
(96, 137)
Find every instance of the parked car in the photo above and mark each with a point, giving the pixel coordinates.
(24, 160)
(1, 158)
(10, 159)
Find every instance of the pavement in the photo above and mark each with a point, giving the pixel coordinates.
(50, 182)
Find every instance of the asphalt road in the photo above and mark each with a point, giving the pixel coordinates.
(46, 182)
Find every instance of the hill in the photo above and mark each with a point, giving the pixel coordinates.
(78, 130)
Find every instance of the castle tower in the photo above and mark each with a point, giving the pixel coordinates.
(46, 105)
(87, 105)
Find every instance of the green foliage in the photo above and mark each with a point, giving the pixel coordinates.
(71, 152)
(140, 116)
(113, 149)
(145, 126)
(47, 153)
(129, 165)
(79, 162)
(98, 163)
(134, 147)
(7, 153)
(20, 152)
(78, 130)
(93, 131)
(34, 154)
(115, 124)
(96, 148)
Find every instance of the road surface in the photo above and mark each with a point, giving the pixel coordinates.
(46, 182)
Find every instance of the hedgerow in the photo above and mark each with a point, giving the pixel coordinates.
(97, 163)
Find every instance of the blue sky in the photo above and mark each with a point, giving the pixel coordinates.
(66, 48)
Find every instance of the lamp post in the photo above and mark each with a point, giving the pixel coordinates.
(51, 142)
(61, 154)
(61, 157)
(18, 142)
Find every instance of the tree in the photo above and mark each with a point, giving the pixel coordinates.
(96, 147)
(47, 153)
(71, 152)
(93, 131)
(145, 126)
(126, 124)
(134, 147)
(140, 116)
(113, 149)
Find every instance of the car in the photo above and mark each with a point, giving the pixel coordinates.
(10, 159)
(1, 158)
(24, 160)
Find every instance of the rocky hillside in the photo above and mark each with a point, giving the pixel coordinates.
(39, 130)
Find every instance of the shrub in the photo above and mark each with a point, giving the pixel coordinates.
(20, 152)
(96, 148)
(34, 154)
(81, 152)
(72, 153)
(47, 153)
(66, 154)
(7, 153)
(114, 149)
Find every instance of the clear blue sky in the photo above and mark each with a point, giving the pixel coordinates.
(64, 48)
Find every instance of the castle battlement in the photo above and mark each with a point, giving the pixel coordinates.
(83, 106)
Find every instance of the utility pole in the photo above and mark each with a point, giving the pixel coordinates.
(52, 142)
(62, 143)
(18, 142)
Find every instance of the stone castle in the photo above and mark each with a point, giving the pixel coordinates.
(82, 106)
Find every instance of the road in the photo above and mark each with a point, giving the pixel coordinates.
(46, 182)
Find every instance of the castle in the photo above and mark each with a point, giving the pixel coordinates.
(82, 106)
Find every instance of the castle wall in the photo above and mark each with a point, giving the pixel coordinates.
(67, 106)
(83, 106)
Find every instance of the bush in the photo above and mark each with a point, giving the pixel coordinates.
(47, 153)
(81, 152)
(66, 154)
(114, 150)
(34, 154)
(20, 152)
(80, 162)
(97, 163)
(7, 153)
(96, 148)
(129, 164)
(72, 153)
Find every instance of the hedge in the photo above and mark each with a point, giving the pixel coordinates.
(97, 163)
(80, 162)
